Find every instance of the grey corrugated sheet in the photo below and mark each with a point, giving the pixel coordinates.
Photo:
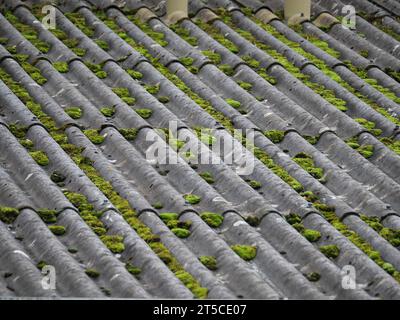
(352, 184)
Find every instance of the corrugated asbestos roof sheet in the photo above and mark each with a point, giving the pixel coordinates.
(82, 105)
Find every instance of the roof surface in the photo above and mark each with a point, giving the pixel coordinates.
(82, 106)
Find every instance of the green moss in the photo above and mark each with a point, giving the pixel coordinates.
(233, 103)
(72, 250)
(70, 42)
(134, 74)
(364, 53)
(227, 69)
(163, 99)
(130, 101)
(3, 41)
(311, 235)
(157, 205)
(12, 49)
(94, 136)
(313, 276)
(102, 44)
(107, 111)
(367, 151)
(253, 220)
(27, 144)
(331, 251)
(311, 140)
(129, 134)
(186, 61)
(388, 267)
(293, 218)
(41, 264)
(245, 85)
(114, 243)
(393, 236)
(208, 177)
(40, 157)
(276, 136)
(212, 219)
(57, 230)
(253, 63)
(8, 215)
(132, 269)
(369, 125)
(255, 184)
(192, 198)
(61, 67)
(209, 262)
(92, 273)
(246, 252)
(94, 67)
(279, 171)
(144, 113)
(21, 57)
(307, 163)
(121, 92)
(57, 177)
(187, 279)
(213, 56)
(41, 45)
(74, 112)
(37, 76)
(17, 130)
(152, 89)
(101, 74)
(47, 215)
(180, 232)
(168, 216)
(300, 228)
(80, 52)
